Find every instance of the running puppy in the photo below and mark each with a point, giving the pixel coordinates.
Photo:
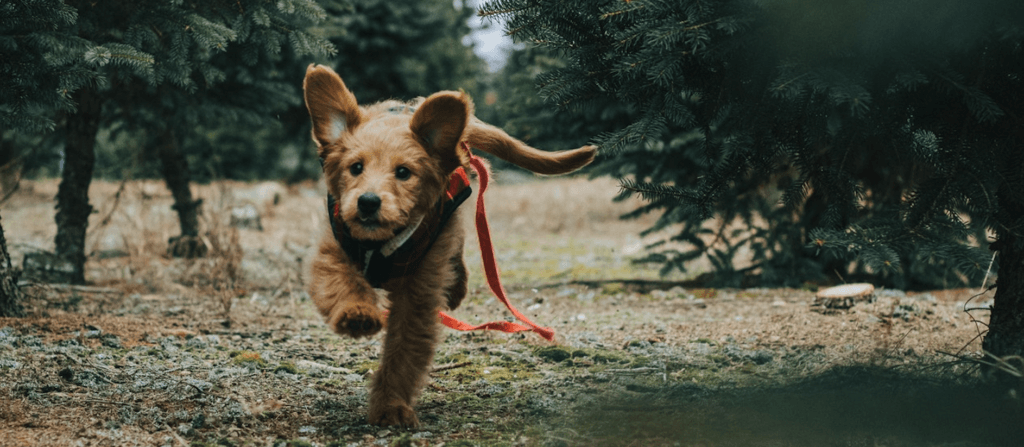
(389, 171)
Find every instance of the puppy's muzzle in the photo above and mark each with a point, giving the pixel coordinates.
(368, 204)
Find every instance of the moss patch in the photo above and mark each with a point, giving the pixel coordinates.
(248, 358)
(287, 367)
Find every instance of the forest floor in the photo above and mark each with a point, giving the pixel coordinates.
(228, 350)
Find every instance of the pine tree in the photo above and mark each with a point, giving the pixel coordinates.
(877, 137)
(40, 67)
(212, 82)
(386, 49)
(214, 65)
(38, 64)
(163, 67)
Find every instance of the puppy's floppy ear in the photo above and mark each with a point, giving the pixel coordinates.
(438, 124)
(332, 107)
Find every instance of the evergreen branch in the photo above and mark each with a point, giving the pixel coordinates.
(700, 25)
(785, 84)
(483, 12)
(120, 54)
(500, 8)
(981, 105)
(634, 7)
(652, 192)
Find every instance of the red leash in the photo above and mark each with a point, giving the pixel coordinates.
(491, 267)
(458, 181)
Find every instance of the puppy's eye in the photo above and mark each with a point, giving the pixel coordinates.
(403, 173)
(356, 169)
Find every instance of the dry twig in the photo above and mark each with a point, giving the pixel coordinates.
(451, 366)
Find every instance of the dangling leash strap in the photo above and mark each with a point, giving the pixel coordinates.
(491, 267)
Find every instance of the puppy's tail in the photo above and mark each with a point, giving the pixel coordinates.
(495, 141)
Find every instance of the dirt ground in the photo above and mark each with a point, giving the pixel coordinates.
(228, 350)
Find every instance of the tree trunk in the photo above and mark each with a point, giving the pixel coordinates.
(73, 207)
(1005, 335)
(10, 296)
(175, 170)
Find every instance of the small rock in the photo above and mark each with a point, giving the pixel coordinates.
(197, 342)
(8, 336)
(202, 385)
(185, 429)
(48, 268)
(926, 297)
(111, 341)
(890, 293)
(906, 311)
(316, 367)
(246, 216)
(761, 356)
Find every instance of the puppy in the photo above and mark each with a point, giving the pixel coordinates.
(393, 207)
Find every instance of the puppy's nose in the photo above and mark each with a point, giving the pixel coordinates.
(369, 204)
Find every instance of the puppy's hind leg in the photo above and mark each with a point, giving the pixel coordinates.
(458, 289)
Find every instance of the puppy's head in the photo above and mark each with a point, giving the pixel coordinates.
(385, 168)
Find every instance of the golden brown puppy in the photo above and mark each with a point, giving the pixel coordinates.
(387, 168)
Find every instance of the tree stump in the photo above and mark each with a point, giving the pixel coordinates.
(10, 296)
(845, 296)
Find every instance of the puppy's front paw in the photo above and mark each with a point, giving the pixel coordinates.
(396, 413)
(358, 320)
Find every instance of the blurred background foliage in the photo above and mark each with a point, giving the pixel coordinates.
(384, 49)
(778, 118)
(792, 141)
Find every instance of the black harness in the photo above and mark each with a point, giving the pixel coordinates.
(378, 268)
